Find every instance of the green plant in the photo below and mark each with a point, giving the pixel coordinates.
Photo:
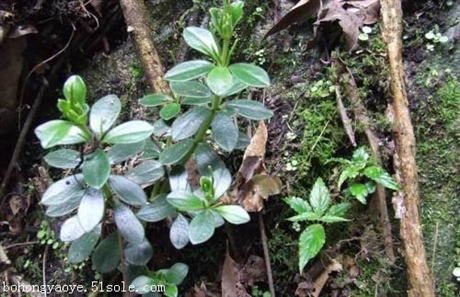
(435, 38)
(99, 196)
(364, 35)
(319, 210)
(362, 174)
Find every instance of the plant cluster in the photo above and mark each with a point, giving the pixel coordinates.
(361, 174)
(161, 152)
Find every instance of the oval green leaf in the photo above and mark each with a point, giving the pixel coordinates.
(129, 132)
(250, 74)
(123, 151)
(138, 254)
(176, 152)
(81, 248)
(234, 214)
(127, 190)
(219, 80)
(106, 256)
(146, 173)
(169, 111)
(103, 114)
(188, 70)
(128, 225)
(201, 40)
(250, 109)
(153, 100)
(59, 132)
(156, 211)
(64, 190)
(71, 230)
(196, 101)
(224, 131)
(201, 227)
(96, 169)
(179, 232)
(189, 123)
(185, 200)
(60, 209)
(63, 158)
(91, 209)
(176, 274)
(192, 89)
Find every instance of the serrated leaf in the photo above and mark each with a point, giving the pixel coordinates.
(338, 210)
(306, 216)
(106, 256)
(224, 131)
(128, 225)
(96, 169)
(201, 227)
(59, 132)
(64, 190)
(250, 74)
(169, 111)
(360, 155)
(234, 214)
(156, 211)
(91, 209)
(320, 198)
(146, 173)
(349, 172)
(138, 254)
(359, 191)
(123, 151)
(176, 152)
(103, 114)
(299, 205)
(63, 158)
(179, 232)
(176, 274)
(71, 230)
(189, 123)
(219, 80)
(250, 109)
(81, 248)
(310, 243)
(127, 190)
(201, 40)
(332, 219)
(129, 132)
(188, 70)
(185, 200)
(153, 100)
(191, 89)
(382, 177)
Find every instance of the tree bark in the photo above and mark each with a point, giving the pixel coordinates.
(420, 281)
(139, 24)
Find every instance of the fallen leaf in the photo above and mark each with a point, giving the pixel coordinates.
(322, 279)
(266, 185)
(231, 284)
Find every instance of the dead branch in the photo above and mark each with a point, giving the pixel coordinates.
(420, 281)
(138, 22)
(268, 266)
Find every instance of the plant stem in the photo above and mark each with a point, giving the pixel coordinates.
(199, 136)
(225, 53)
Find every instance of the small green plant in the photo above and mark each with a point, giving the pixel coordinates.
(364, 34)
(317, 209)
(256, 292)
(435, 38)
(362, 174)
(161, 151)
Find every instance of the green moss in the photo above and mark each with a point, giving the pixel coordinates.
(438, 131)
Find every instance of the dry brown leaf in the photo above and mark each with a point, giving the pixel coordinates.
(231, 284)
(266, 185)
(322, 279)
(351, 15)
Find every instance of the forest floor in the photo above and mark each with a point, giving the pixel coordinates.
(305, 134)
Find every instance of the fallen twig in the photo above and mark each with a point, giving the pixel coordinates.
(138, 23)
(268, 266)
(420, 281)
